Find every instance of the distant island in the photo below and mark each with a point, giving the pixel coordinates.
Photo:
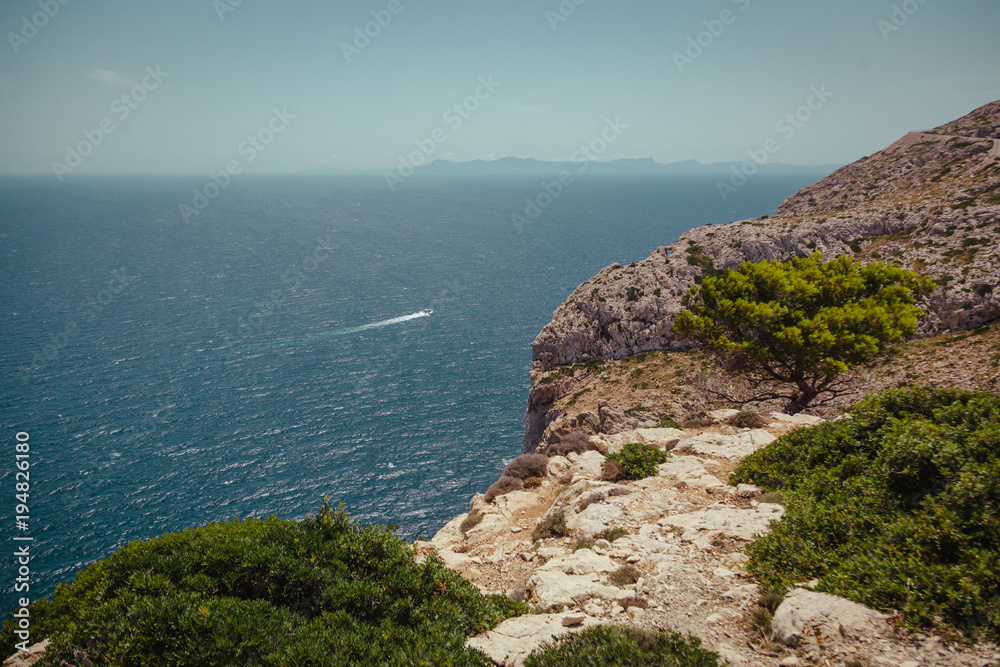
(517, 166)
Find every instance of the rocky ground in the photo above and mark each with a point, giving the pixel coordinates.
(686, 529)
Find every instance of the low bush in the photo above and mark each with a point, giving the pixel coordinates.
(612, 472)
(527, 465)
(533, 482)
(698, 422)
(773, 497)
(471, 521)
(612, 534)
(324, 590)
(504, 485)
(554, 525)
(747, 419)
(618, 491)
(895, 508)
(670, 423)
(583, 543)
(625, 575)
(596, 497)
(637, 461)
(619, 646)
(573, 442)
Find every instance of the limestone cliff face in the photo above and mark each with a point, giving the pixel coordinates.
(930, 201)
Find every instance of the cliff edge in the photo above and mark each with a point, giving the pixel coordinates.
(930, 201)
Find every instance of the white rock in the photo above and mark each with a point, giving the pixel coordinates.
(761, 438)
(723, 415)
(581, 561)
(748, 491)
(718, 445)
(588, 465)
(733, 522)
(550, 588)
(512, 641)
(798, 420)
(715, 618)
(659, 437)
(808, 618)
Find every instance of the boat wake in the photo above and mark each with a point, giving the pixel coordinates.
(352, 330)
(383, 323)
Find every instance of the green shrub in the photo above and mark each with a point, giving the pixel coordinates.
(670, 423)
(896, 508)
(554, 525)
(266, 592)
(638, 461)
(614, 646)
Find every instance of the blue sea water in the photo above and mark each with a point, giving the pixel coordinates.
(171, 373)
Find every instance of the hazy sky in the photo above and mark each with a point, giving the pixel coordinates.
(228, 70)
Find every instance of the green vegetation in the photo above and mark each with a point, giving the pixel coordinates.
(636, 461)
(795, 327)
(323, 591)
(670, 423)
(896, 508)
(612, 646)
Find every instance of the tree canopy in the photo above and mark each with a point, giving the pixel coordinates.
(800, 324)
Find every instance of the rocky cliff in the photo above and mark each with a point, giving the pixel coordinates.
(665, 552)
(930, 201)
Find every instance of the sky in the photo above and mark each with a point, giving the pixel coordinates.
(191, 86)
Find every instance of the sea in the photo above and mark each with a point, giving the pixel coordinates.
(297, 337)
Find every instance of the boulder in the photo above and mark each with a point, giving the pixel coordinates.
(548, 588)
(512, 641)
(581, 561)
(719, 445)
(665, 438)
(29, 657)
(722, 415)
(726, 521)
(814, 620)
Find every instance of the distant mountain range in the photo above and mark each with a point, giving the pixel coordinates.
(515, 166)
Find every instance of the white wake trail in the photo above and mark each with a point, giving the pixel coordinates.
(383, 323)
